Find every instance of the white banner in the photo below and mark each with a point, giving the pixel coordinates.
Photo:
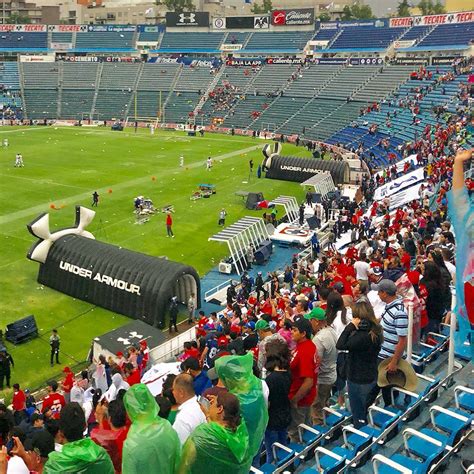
(230, 47)
(399, 184)
(408, 195)
(218, 23)
(61, 46)
(430, 20)
(400, 164)
(400, 44)
(37, 59)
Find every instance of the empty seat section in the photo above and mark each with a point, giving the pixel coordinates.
(457, 34)
(179, 106)
(194, 79)
(181, 42)
(41, 89)
(366, 37)
(110, 41)
(78, 83)
(288, 41)
(348, 81)
(278, 113)
(272, 78)
(313, 79)
(26, 41)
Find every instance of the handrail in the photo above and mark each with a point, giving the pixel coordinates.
(217, 288)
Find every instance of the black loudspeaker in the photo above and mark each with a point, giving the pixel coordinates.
(263, 253)
(313, 222)
(22, 330)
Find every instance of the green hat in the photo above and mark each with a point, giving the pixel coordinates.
(262, 325)
(316, 313)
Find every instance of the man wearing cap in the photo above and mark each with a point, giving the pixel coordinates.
(249, 337)
(395, 331)
(325, 340)
(303, 376)
(265, 335)
(200, 379)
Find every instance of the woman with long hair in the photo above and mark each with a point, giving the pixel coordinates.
(338, 316)
(279, 381)
(362, 338)
(434, 303)
(445, 277)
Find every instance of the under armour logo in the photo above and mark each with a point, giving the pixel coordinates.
(131, 335)
(40, 228)
(187, 17)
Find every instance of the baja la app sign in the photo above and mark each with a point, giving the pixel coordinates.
(299, 16)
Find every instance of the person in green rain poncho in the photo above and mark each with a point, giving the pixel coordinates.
(79, 455)
(236, 374)
(152, 445)
(222, 444)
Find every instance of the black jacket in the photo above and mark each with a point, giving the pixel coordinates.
(362, 360)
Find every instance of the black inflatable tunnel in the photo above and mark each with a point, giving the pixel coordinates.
(294, 168)
(127, 282)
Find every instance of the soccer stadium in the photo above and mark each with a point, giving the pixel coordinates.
(238, 244)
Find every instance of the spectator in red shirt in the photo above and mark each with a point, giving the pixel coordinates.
(112, 439)
(19, 403)
(303, 376)
(67, 383)
(132, 374)
(53, 401)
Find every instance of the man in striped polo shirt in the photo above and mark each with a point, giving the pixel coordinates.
(394, 322)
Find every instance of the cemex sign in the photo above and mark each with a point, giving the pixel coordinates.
(187, 19)
(297, 16)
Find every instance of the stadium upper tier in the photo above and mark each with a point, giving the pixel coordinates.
(369, 35)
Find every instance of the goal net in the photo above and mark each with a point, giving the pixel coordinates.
(93, 118)
(131, 119)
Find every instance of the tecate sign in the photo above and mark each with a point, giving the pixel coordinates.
(301, 16)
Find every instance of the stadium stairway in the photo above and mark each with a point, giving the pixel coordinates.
(421, 430)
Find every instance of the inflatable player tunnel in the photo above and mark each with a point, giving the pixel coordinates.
(295, 168)
(121, 280)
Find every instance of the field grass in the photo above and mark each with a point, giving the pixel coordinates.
(62, 168)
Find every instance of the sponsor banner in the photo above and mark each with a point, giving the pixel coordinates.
(61, 46)
(400, 44)
(443, 60)
(333, 25)
(67, 28)
(366, 61)
(101, 59)
(285, 61)
(410, 60)
(399, 184)
(231, 47)
(37, 58)
(261, 22)
(187, 19)
(202, 62)
(297, 16)
(330, 60)
(401, 163)
(148, 29)
(408, 195)
(111, 28)
(219, 23)
(24, 28)
(430, 20)
(245, 62)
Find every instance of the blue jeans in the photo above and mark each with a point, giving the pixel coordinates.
(358, 395)
(273, 437)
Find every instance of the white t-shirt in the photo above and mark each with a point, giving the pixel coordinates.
(189, 416)
(338, 325)
(362, 270)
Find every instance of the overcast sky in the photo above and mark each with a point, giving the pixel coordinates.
(380, 7)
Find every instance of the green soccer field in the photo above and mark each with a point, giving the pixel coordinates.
(63, 167)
